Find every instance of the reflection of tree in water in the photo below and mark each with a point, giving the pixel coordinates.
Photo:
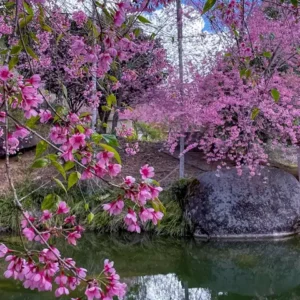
(194, 270)
(163, 287)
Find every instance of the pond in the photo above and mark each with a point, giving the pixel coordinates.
(157, 268)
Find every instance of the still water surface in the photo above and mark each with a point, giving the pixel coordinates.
(179, 269)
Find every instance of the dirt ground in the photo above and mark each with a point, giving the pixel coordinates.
(165, 165)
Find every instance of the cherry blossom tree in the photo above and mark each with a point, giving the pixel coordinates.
(79, 153)
(250, 96)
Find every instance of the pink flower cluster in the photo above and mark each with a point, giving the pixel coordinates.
(112, 286)
(47, 228)
(138, 194)
(41, 269)
(79, 17)
(103, 166)
(132, 149)
(125, 131)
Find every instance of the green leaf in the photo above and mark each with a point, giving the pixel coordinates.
(255, 112)
(32, 122)
(80, 128)
(275, 94)
(60, 36)
(294, 2)
(152, 181)
(31, 52)
(40, 163)
(137, 31)
(28, 8)
(49, 202)
(41, 147)
(59, 168)
(69, 165)
(143, 20)
(105, 108)
(25, 21)
(112, 78)
(243, 72)
(248, 73)
(111, 149)
(111, 140)
(208, 5)
(161, 207)
(34, 37)
(45, 27)
(60, 184)
(86, 206)
(96, 137)
(16, 49)
(73, 179)
(13, 61)
(267, 54)
(103, 197)
(111, 99)
(3, 52)
(90, 217)
(65, 92)
(84, 114)
(10, 4)
(52, 156)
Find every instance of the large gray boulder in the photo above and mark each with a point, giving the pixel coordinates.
(229, 206)
(282, 157)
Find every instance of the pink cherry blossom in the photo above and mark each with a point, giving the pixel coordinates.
(109, 266)
(105, 156)
(79, 17)
(61, 291)
(61, 279)
(130, 217)
(77, 140)
(29, 233)
(70, 220)
(45, 116)
(146, 214)
(154, 191)
(72, 237)
(47, 215)
(3, 250)
(20, 132)
(134, 227)
(2, 116)
(147, 172)
(114, 208)
(119, 18)
(13, 144)
(157, 216)
(5, 74)
(45, 236)
(35, 80)
(114, 169)
(129, 180)
(93, 292)
(62, 208)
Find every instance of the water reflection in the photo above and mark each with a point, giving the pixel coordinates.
(170, 269)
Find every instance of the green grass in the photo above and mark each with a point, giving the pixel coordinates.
(173, 223)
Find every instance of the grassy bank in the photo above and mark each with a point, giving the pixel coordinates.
(93, 196)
